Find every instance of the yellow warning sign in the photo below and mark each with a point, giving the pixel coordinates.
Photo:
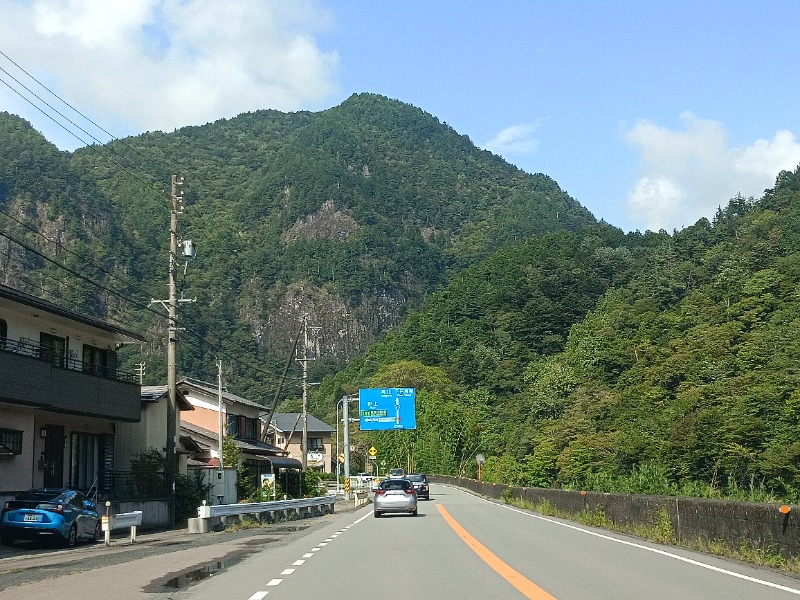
(373, 451)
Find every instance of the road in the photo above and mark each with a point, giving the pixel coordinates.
(460, 546)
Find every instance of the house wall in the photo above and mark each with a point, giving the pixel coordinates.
(204, 415)
(16, 473)
(295, 451)
(22, 324)
(133, 438)
(206, 410)
(25, 471)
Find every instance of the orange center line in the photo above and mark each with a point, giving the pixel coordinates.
(524, 585)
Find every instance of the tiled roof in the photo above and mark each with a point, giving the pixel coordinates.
(286, 421)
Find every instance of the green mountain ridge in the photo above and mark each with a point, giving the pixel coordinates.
(350, 216)
(565, 351)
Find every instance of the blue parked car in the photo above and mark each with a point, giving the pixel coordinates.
(64, 514)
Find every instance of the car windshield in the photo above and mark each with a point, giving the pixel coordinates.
(416, 477)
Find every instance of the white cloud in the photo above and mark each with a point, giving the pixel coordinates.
(144, 65)
(686, 174)
(515, 140)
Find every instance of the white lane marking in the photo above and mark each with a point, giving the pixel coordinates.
(690, 561)
(322, 544)
(297, 563)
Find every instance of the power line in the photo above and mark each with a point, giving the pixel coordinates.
(131, 163)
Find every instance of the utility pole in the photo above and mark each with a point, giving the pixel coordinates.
(220, 406)
(346, 440)
(176, 208)
(304, 414)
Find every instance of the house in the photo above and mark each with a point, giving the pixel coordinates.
(61, 394)
(286, 432)
(241, 420)
(151, 429)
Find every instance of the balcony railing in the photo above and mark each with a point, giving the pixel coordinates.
(63, 360)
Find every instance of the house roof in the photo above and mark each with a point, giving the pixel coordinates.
(153, 393)
(285, 422)
(212, 390)
(38, 304)
(206, 438)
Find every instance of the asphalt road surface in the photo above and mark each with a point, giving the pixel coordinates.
(460, 546)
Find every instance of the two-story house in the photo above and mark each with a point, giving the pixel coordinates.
(61, 394)
(241, 420)
(286, 431)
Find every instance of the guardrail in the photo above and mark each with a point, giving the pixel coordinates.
(212, 516)
(121, 521)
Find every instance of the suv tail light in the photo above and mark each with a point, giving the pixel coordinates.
(380, 492)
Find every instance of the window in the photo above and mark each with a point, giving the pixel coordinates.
(250, 428)
(315, 445)
(232, 425)
(53, 349)
(11, 439)
(242, 427)
(99, 361)
(86, 458)
(3, 333)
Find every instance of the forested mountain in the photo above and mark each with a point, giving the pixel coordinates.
(681, 377)
(351, 216)
(564, 351)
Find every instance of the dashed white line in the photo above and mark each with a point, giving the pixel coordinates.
(297, 563)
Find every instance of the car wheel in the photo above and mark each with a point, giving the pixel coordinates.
(6, 538)
(98, 531)
(72, 536)
(414, 514)
(377, 514)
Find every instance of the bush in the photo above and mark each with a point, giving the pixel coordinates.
(190, 491)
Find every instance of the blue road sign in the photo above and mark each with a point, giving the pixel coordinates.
(387, 408)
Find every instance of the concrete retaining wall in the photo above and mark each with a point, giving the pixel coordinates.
(155, 513)
(750, 524)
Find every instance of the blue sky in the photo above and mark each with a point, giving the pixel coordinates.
(650, 114)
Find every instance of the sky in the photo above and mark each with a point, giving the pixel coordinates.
(650, 114)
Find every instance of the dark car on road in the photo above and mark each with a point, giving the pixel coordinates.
(420, 483)
(63, 514)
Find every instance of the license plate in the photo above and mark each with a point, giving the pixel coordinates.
(31, 518)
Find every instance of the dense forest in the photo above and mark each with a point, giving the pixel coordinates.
(649, 363)
(565, 351)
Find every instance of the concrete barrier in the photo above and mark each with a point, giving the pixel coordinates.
(361, 498)
(121, 521)
(218, 517)
(765, 525)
